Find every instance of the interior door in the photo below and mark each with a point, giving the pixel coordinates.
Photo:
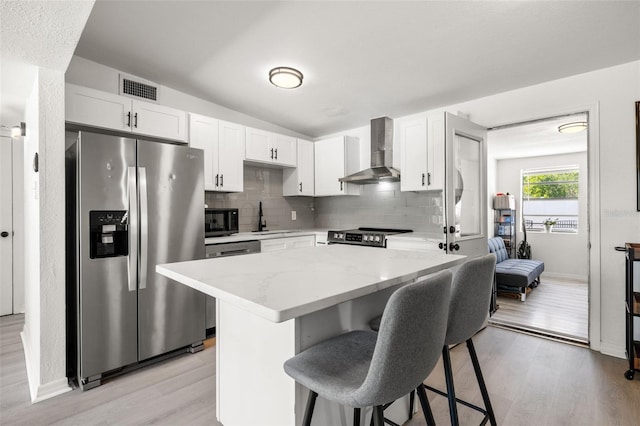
(171, 206)
(6, 227)
(466, 186)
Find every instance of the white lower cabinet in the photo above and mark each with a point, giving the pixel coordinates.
(275, 244)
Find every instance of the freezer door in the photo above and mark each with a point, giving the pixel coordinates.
(107, 308)
(171, 191)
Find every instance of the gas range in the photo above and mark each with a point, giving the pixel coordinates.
(372, 237)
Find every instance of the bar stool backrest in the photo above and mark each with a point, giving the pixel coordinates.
(470, 298)
(409, 342)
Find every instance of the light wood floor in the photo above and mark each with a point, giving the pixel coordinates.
(532, 381)
(556, 307)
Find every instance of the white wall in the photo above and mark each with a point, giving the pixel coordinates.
(44, 334)
(84, 72)
(609, 94)
(564, 255)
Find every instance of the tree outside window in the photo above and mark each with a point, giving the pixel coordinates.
(551, 195)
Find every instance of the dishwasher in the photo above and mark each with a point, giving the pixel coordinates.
(213, 251)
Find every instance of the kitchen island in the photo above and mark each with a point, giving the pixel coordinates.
(271, 306)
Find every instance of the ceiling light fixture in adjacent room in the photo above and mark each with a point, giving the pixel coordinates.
(574, 127)
(285, 77)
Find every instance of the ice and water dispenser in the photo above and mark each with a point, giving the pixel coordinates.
(109, 233)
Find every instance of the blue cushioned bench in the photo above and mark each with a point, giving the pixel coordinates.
(514, 275)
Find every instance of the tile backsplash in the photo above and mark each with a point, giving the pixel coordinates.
(265, 184)
(381, 206)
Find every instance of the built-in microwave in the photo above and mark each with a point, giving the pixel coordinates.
(220, 222)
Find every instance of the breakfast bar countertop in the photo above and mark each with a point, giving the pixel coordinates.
(285, 284)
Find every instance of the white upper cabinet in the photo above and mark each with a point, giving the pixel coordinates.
(336, 158)
(270, 148)
(159, 120)
(223, 145)
(203, 134)
(231, 140)
(92, 107)
(300, 181)
(422, 153)
(285, 150)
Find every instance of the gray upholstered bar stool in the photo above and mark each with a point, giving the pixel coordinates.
(470, 299)
(367, 369)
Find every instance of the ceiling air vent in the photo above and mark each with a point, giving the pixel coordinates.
(138, 88)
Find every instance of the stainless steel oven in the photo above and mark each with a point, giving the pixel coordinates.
(220, 222)
(372, 237)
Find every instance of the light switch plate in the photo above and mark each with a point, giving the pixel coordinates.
(293, 215)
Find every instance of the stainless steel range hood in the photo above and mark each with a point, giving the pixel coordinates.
(381, 169)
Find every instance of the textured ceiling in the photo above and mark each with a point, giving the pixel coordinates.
(360, 59)
(35, 34)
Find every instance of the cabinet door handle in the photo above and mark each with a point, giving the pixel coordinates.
(272, 153)
(276, 153)
(135, 120)
(423, 179)
(221, 180)
(129, 119)
(454, 247)
(217, 180)
(300, 186)
(340, 186)
(428, 179)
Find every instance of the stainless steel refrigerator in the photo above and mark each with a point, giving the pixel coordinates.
(131, 204)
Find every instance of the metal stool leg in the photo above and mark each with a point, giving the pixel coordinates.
(426, 408)
(412, 397)
(451, 393)
(378, 415)
(308, 411)
(356, 417)
(481, 384)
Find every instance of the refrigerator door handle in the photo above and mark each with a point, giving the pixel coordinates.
(144, 233)
(133, 228)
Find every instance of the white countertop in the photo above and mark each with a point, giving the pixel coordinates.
(286, 284)
(264, 235)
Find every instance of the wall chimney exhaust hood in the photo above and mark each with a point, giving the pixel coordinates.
(381, 169)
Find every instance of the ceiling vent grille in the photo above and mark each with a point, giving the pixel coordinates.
(138, 88)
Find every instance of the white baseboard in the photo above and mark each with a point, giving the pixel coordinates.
(612, 350)
(40, 392)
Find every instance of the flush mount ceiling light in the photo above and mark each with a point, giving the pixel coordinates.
(574, 127)
(285, 77)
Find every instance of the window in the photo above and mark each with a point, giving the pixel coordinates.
(550, 199)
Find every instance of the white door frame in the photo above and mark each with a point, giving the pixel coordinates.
(17, 213)
(6, 225)
(593, 209)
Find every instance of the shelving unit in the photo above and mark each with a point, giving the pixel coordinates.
(504, 225)
(632, 298)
